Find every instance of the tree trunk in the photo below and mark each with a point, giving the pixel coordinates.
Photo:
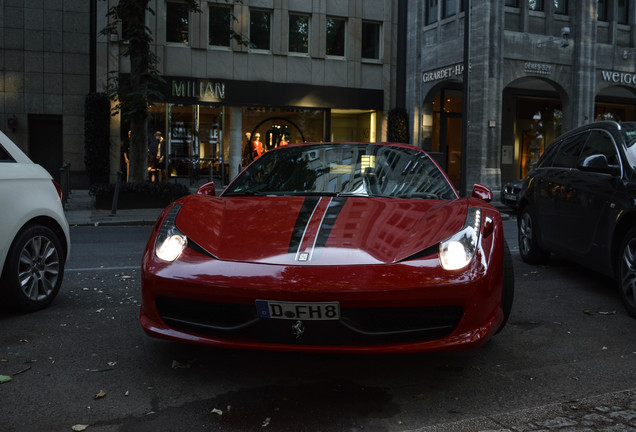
(137, 103)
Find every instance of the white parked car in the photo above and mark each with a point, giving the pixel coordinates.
(34, 234)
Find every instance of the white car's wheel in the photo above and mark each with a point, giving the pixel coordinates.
(34, 269)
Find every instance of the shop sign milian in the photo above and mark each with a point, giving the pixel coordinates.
(202, 90)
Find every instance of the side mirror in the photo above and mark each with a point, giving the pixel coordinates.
(207, 189)
(598, 163)
(482, 192)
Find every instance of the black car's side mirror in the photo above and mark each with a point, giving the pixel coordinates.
(598, 163)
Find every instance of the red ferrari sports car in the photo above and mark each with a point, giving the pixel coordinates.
(330, 247)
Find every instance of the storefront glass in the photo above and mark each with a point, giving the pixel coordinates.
(614, 111)
(539, 122)
(268, 128)
(447, 132)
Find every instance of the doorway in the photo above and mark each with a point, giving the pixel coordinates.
(46, 138)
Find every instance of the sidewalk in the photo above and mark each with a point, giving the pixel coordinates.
(80, 211)
(612, 412)
(105, 218)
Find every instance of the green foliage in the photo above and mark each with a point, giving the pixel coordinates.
(96, 137)
(398, 126)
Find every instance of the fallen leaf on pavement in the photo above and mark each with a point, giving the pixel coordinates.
(4, 379)
(100, 395)
(79, 427)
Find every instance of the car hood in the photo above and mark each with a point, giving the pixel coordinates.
(318, 230)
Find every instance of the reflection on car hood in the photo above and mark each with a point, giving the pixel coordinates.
(318, 230)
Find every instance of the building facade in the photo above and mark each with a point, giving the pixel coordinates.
(320, 70)
(45, 75)
(537, 68)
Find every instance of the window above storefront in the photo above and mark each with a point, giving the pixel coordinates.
(177, 23)
(298, 33)
(336, 36)
(219, 25)
(260, 29)
(371, 37)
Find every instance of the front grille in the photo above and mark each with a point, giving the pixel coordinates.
(369, 326)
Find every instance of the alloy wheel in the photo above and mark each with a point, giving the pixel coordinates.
(525, 234)
(38, 268)
(628, 273)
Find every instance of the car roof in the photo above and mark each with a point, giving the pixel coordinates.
(13, 149)
(605, 124)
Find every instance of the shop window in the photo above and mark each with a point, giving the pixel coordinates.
(195, 144)
(561, 7)
(220, 25)
(512, 3)
(602, 10)
(336, 36)
(622, 12)
(371, 40)
(260, 29)
(298, 34)
(177, 23)
(431, 11)
(535, 5)
(450, 8)
(268, 128)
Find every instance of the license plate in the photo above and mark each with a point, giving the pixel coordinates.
(314, 311)
(510, 197)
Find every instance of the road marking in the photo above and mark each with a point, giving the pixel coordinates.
(102, 268)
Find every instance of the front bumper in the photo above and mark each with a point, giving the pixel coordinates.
(403, 307)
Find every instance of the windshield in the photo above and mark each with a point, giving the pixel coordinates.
(344, 170)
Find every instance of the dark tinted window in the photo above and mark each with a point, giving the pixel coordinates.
(220, 25)
(5, 156)
(177, 22)
(600, 142)
(260, 29)
(569, 151)
(336, 28)
(371, 40)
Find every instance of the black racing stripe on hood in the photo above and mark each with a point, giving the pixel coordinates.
(307, 209)
(333, 211)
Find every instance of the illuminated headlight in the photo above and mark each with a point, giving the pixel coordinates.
(170, 241)
(458, 250)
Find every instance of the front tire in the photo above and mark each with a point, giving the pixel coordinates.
(627, 272)
(528, 245)
(34, 269)
(508, 288)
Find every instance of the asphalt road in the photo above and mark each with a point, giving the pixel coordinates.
(86, 361)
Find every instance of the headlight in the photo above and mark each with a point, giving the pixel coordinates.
(458, 250)
(170, 241)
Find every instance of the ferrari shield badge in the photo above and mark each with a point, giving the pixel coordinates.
(298, 329)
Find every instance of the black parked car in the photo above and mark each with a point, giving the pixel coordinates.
(580, 202)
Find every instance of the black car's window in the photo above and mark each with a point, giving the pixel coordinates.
(5, 156)
(547, 158)
(344, 169)
(569, 151)
(600, 142)
(629, 137)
